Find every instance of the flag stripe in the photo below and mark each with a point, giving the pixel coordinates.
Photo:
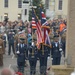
(33, 20)
(36, 22)
(45, 28)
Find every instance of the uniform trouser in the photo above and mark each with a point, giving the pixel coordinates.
(32, 63)
(1, 59)
(64, 53)
(27, 54)
(43, 65)
(5, 44)
(11, 45)
(15, 44)
(21, 66)
(56, 60)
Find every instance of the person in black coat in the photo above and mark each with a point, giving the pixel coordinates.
(33, 57)
(11, 42)
(56, 51)
(21, 54)
(43, 53)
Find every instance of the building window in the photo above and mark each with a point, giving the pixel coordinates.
(5, 3)
(60, 5)
(5, 15)
(46, 4)
(19, 16)
(19, 3)
(52, 5)
(25, 11)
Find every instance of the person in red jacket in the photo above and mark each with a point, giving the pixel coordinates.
(7, 71)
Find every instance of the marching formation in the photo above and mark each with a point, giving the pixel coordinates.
(33, 41)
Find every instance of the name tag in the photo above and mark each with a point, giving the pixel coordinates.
(0, 46)
(17, 52)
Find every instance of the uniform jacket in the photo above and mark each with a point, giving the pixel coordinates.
(55, 52)
(2, 50)
(11, 38)
(22, 52)
(43, 51)
(33, 52)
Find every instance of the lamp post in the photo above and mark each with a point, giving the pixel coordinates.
(25, 10)
(26, 6)
(31, 2)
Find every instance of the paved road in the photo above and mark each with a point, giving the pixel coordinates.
(10, 62)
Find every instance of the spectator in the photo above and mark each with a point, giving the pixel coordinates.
(7, 71)
(2, 28)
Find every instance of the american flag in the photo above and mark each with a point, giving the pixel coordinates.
(45, 28)
(33, 20)
(39, 32)
(38, 27)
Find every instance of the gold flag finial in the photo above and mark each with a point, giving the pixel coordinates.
(37, 17)
(40, 5)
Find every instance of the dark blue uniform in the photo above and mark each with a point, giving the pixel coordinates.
(32, 59)
(43, 54)
(21, 49)
(49, 49)
(11, 42)
(56, 53)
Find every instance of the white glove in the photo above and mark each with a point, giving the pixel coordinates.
(62, 53)
(18, 44)
(32, 43)
(18, 52)
(51, 58)
(60, 49)
(48, 57)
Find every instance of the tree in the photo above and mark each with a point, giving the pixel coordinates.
(36, 3)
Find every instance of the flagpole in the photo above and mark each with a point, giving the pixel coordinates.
(27, 35)
(42, 49)
(32, 42)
